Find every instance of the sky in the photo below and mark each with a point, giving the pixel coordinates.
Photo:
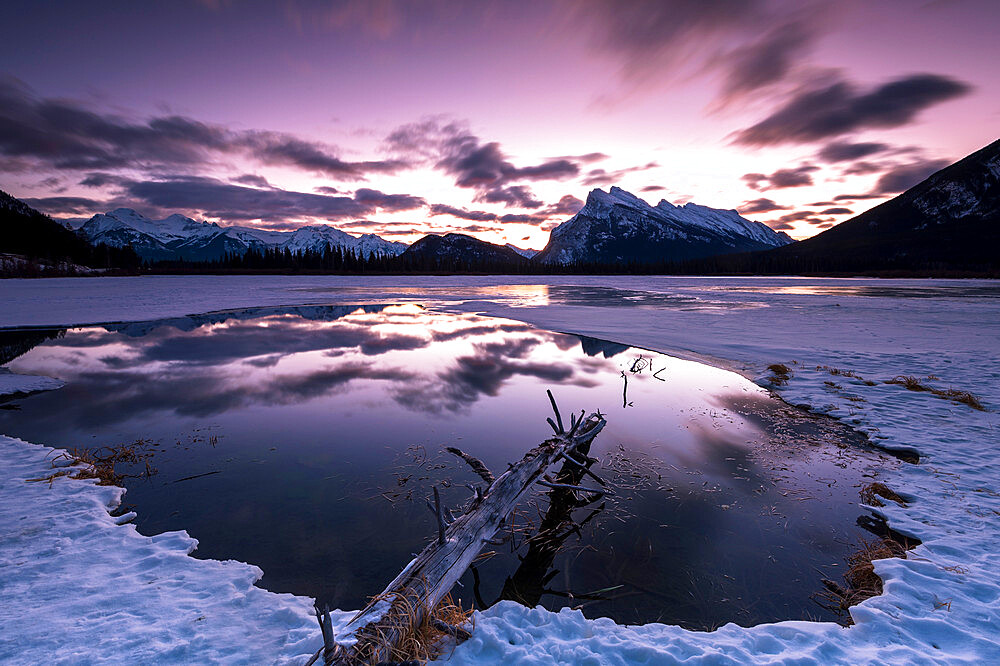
(489, 118)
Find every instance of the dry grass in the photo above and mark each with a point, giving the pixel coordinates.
(915, 384)
(781, 373)
(102, 462)
(862, 581)
(440, 630)
(872, 493)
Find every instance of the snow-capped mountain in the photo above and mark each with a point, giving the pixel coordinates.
(527, 253)
(617, 226)
(179, 237)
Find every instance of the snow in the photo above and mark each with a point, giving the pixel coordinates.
(11, 383)
(629, 217)
(124, 226)
(941, 605)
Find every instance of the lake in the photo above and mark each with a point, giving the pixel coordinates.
(306, 440)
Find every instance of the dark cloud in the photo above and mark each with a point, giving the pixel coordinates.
(523, 218)
(462, 213)
(767, 60)
(845, 151)
(253, 180)
(760, 206)
(597, 177)
(65, 134)
(65, 205)
(751, 43)
(837, 211)
(902, 178)
(235, 202)
(283, 150)
(780, 226)
(567, 205)
(653, 188)
(326, 189)
(856, 197)
(515, 196)
(863, 168)
(830, 110)
(476, 165)
(782, 178)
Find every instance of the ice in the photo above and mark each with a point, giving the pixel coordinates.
(12, 383)
(77, 587)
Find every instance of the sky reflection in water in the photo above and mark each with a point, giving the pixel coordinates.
(326, 426)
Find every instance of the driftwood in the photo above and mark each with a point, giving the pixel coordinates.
(372, 636)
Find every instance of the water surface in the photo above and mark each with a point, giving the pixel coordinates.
(306, 440)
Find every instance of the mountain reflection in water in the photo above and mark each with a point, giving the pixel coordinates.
(325, 427)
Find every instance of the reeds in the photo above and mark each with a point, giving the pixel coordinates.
(872, 493)
(781, 373)
(955, 395)
(440, 629)
(102, 462)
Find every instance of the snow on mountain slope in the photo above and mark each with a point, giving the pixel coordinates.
(527, 253)
(617, 226)
(179, 237)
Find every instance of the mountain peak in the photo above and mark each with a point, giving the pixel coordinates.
(619, 227)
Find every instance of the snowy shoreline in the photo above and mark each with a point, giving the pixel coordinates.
(941, 605)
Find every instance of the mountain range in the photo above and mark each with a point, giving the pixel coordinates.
(618, 227)
(948, 222)
(179, 237)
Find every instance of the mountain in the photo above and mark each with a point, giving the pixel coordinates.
(619, 227)
(527, 253)
(950, 221)
(43, 246)
(458, 251)
(179, 237)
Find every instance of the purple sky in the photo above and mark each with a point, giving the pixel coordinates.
(495, 118)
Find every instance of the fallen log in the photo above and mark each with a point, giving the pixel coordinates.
(376, 633)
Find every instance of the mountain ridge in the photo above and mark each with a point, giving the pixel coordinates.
(179, 237)
(619, 227)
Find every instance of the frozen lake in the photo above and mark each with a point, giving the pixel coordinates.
(305, 440)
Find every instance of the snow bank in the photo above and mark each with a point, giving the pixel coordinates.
(13, 384)
(941, 605)
(76, 587)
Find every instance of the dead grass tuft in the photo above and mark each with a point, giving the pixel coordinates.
(102, 462)
(862, 581)
(440, 630)
(871, 493)
(955, 395)
(781, 373)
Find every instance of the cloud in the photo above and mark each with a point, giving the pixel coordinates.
(567, 205)
(749, 42)
(902, 178)
(517, 196)
(64, 134)
(653, 188)
(836, 108)
(782, 178)
(597, 177)
(837, 211)
(768, 60)
(462, 213)
(863, 168)
(253, 180)
(65, 205)
(215, 198)
(857, 197)
(482, 167)
(845, 151)
(760, 206)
